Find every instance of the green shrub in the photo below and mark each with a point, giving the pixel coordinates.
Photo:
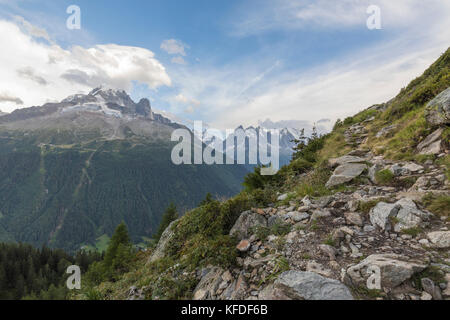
(412, 231)
(384, 177)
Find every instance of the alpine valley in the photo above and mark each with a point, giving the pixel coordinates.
(71, 171)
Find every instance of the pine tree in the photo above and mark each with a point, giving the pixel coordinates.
(169, 216)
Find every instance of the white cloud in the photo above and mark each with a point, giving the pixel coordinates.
(173, 46)
(331, 14)
(178, 60)
(37, 72)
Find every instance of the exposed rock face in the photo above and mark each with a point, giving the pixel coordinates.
(298, 285)
(345, 173)
(394, 270)
(431, 144)
(163, 243)
(438, 109)
(440, 239)
(245, 222)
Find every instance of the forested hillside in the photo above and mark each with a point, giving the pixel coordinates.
(67, 196)
(29, 273)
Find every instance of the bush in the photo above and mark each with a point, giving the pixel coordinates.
(384, 177)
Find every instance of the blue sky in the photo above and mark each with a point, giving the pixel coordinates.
(224, 62)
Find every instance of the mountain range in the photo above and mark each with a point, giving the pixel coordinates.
(71, 171)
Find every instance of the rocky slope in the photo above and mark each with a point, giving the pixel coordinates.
(370, 220)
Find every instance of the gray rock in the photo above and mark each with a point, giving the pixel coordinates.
(345, 173)
(405, 212)
(432, 143)
(413, 167)
(298, 285)
(323, 213)
(385, 131)
(246, 221)
(163, 243)
(438, 109)
(394, 270)
(344, 160)
(409, 216)
(429, 287)
(273, 220)
(354, 218)
(282, 197)
(398, 170)
(329, 250)
(440, 239)
(298, 216)
(209, 284)
(380, 215)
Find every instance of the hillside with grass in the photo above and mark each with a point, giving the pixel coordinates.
(371, 195)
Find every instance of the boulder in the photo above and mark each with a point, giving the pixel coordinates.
(438, 109)
(432, 144)
(345, 173)
(440, 239)
(298, 285)
(413, 167)
(397, 170)
(354, 218)
(380, 215)
(163, 243)
(393, 270)
(345, 159)
(246, 221)
(298, 216)
(243, 246)
(398, 216)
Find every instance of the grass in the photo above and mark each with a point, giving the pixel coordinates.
(329, 241)
(101, 244)
(414, 232)
(281, 265)
(439, 205)
(278, 229)
(362, 292)
(365, 206)
(384, 177)
(314, 184)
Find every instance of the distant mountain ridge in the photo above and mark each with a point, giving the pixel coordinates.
(72, 171)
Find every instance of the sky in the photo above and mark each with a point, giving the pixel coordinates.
(227, 63)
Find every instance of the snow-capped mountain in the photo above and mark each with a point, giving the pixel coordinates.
(110, 112)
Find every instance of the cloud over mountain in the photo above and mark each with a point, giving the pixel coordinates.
(37, 69)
